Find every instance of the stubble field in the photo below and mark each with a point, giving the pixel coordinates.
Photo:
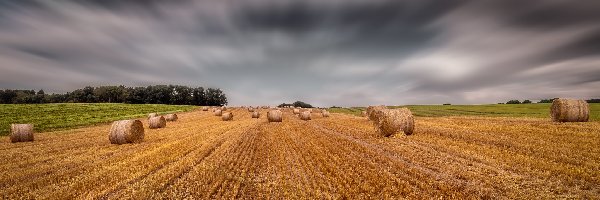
(338, 157)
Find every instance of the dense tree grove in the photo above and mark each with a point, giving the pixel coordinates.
(299, 104)
(157, 94)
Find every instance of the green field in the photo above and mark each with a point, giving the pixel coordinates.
(492, 110)
(47, 117)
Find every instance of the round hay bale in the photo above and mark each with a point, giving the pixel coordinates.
(371, 112)
(227, 116)
(218, 112)
(570, 110)
(255, 114)
(250, 109)
(126, 131)
(171, 117)
(157, 122)
(325, 113)
(21, 133)
(305, 115)
(296, 111)
(363, 113)
(151, 115)
(275, 116)
(392, 121)
(205, 108)
(223, 108)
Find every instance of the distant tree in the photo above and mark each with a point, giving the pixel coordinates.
(513, 102)
(593, 101)
(446, 104)
(526, 102)
(198, 96)
(302, 104)
(546, 100)
(285, 105)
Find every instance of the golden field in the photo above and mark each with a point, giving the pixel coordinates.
(200, 156)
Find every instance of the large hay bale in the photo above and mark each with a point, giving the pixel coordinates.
(227, 116)
(305, 115)
(205, 108)
(391, 121)
(171, 117)
(157, 122)
(151, 115)
(21, 133)
(275, 116)
(325, 113)
(570, 110)
(255, 114)
(218, 112)
(371, 112)
(296, 111)
(126, 131)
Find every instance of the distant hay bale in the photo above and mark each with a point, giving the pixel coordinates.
(227, 116)
(205, 108)
(255, 114)
(296, 111)
(214, 109)
(305, 115)
(392, 121)
(363, 113)
(223, 108)
(275, 116)
(371, 112)
(250, 109)
(325, 113)
(171, 117)
(157, 122)
(218, 112)
(21, 133)
(570, 110)
(126, 131)
(151, 115)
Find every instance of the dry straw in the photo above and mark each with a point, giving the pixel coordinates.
(126, 131)
(570, 110)
(151, 115)
(305, 115)
(171, 117)
(21, 133)
(325, 113)
(275, 116)
(255, 114)
(157, 122)
(227, 116)
(218, 112)
(371, 112)
(392, 121)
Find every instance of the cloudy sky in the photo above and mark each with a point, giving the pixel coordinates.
(324, 52)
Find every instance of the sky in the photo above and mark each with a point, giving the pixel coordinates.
(323, 52)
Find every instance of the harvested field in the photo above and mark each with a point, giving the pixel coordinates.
(336, 157)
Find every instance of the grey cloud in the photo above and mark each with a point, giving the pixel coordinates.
(325, 52)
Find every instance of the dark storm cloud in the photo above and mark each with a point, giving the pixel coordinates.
(326, 52)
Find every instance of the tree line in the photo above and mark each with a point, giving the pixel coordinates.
(157, 94)
(298, 104)
(514, 101)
